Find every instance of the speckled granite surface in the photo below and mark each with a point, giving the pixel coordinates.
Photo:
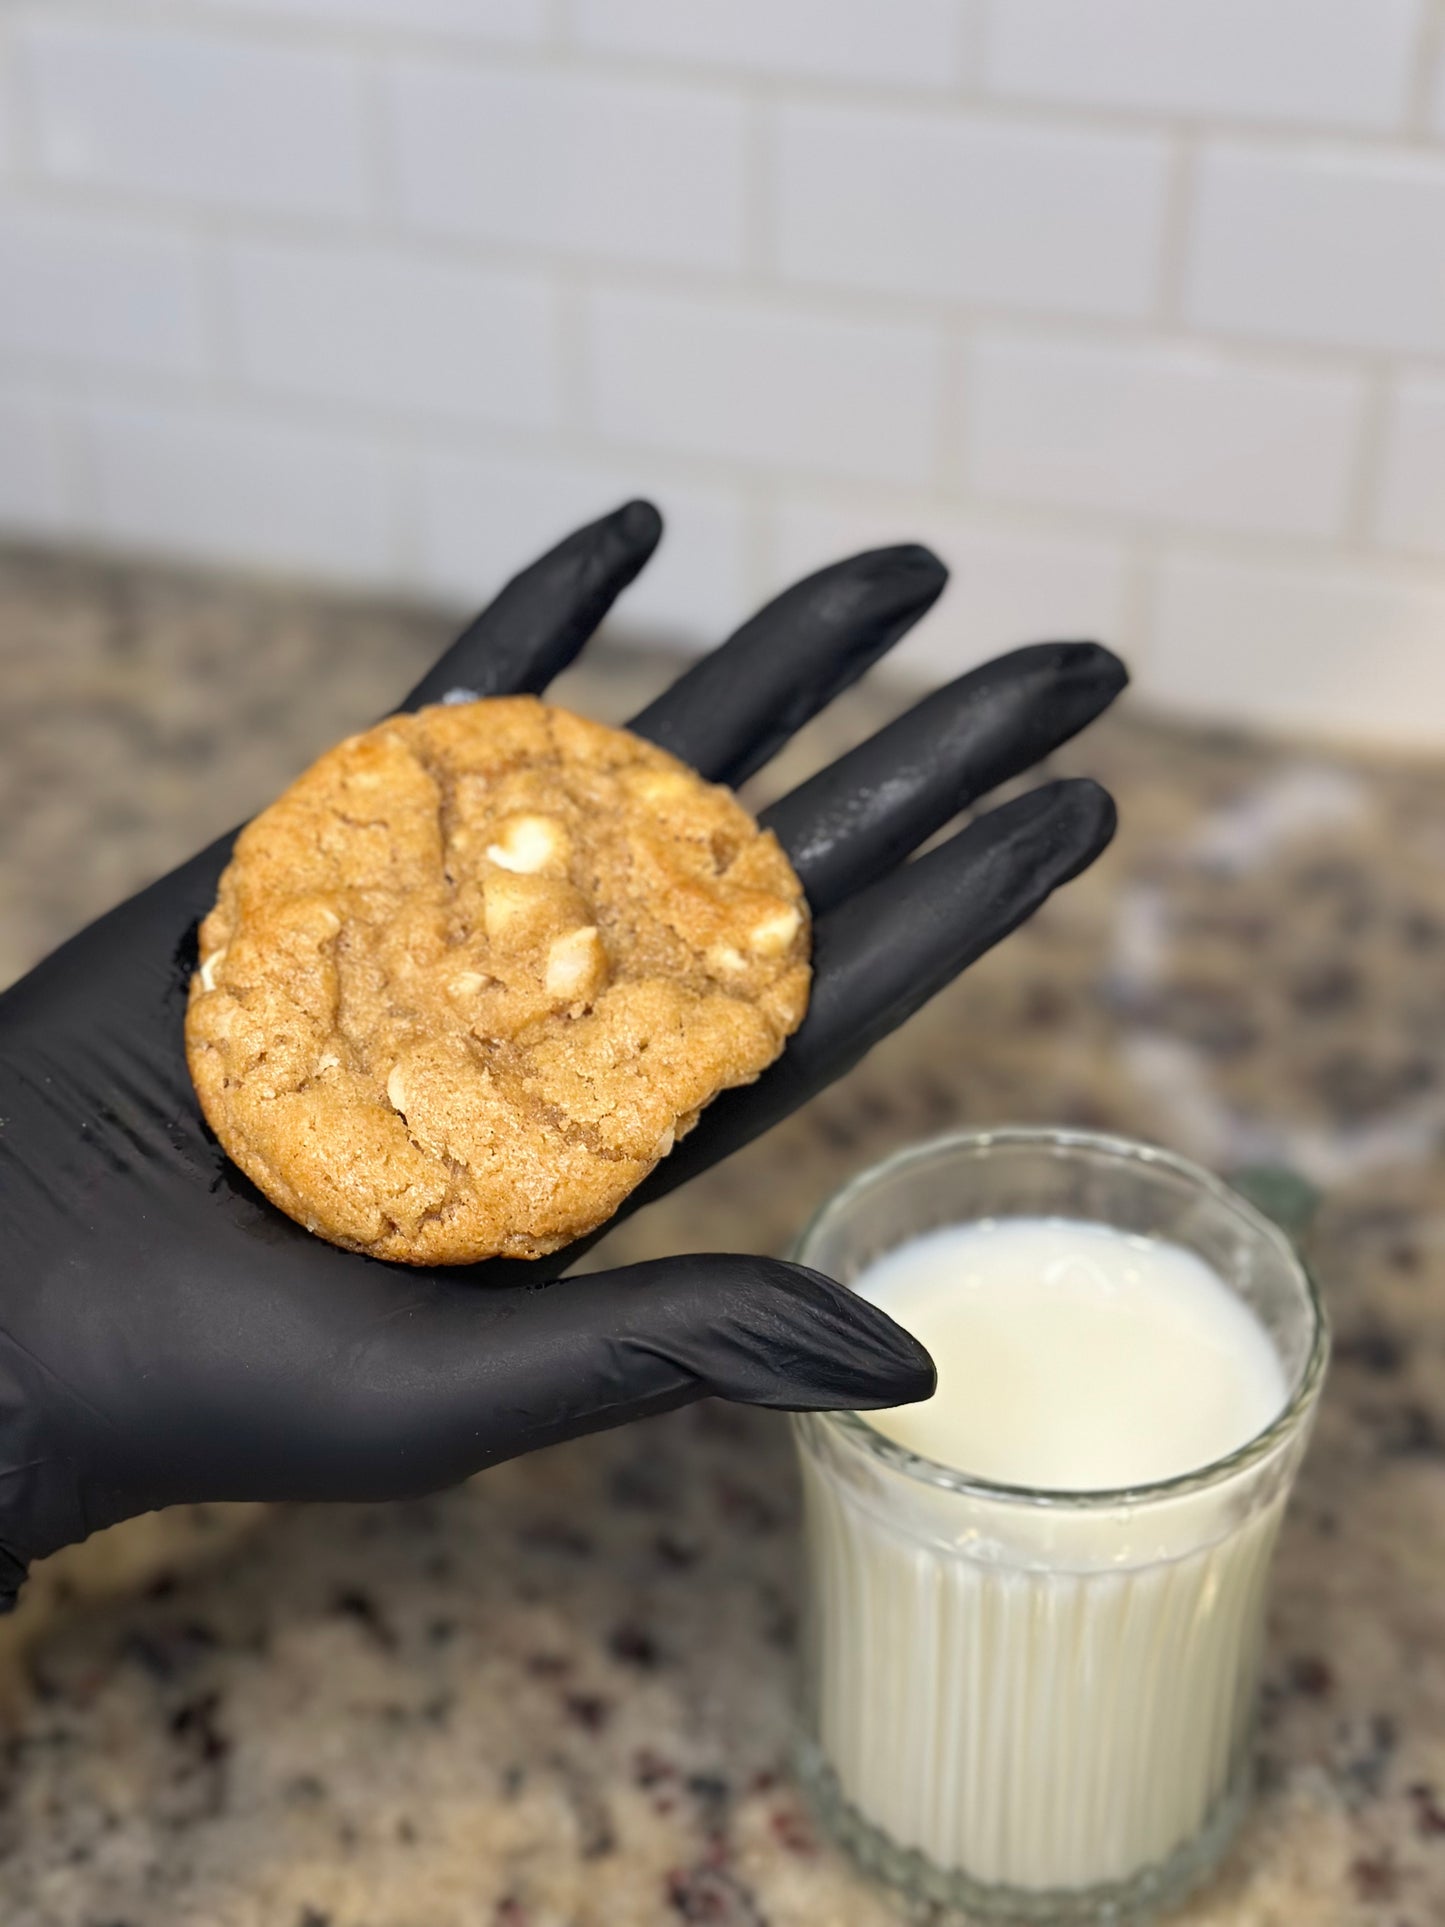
(560, 1696)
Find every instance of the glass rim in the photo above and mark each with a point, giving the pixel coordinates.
(855, 1428)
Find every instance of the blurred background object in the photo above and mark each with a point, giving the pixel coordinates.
(1135, 309)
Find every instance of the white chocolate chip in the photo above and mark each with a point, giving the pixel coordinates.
(527, 844)
(396, 1090)
(329, 1062)
(508, 908)
(665, 1142)
(724, 957)
(772, 936)
(467, 983)
(660, 785)
(576, 965)
(209, 967)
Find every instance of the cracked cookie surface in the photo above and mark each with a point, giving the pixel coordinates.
(476, 970)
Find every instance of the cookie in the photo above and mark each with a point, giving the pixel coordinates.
(477, 970)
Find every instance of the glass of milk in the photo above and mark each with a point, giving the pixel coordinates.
(1036, 1600)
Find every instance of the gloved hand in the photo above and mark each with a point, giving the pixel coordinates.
(166, 1335)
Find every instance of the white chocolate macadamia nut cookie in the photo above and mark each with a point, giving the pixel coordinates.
(476, 971)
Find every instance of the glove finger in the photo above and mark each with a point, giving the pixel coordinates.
(861, 816)
(471, 1374)
(541, 619)
(732, 711)
(747, 1328)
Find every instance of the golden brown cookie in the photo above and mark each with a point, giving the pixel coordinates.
(474, 973)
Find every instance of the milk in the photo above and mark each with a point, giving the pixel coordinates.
(1047, 1695)
(1073, 1356)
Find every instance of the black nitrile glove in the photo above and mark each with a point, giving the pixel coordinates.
(166, 1335)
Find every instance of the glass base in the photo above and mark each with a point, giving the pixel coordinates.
(1134, 1901)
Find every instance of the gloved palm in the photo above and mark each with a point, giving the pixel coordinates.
(167, 1336)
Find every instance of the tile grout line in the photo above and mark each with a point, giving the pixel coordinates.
(1429, 46)
(575, 411)
(1177, 236)
(760, 188)
(1367, 471)
(955, 409)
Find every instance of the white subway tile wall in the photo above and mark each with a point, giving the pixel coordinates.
(1331, 63)
(236, 488)
(1134, 309)
(387, 329)
(966, 210)
(902, 43)
(107, 294)
(570, 165)
(182, 118)
(512, 22)
(1217, 624)
(765, 385)
(1338, 246)
(1183, 435)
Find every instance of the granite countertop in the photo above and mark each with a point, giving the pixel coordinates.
(559, 1696)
